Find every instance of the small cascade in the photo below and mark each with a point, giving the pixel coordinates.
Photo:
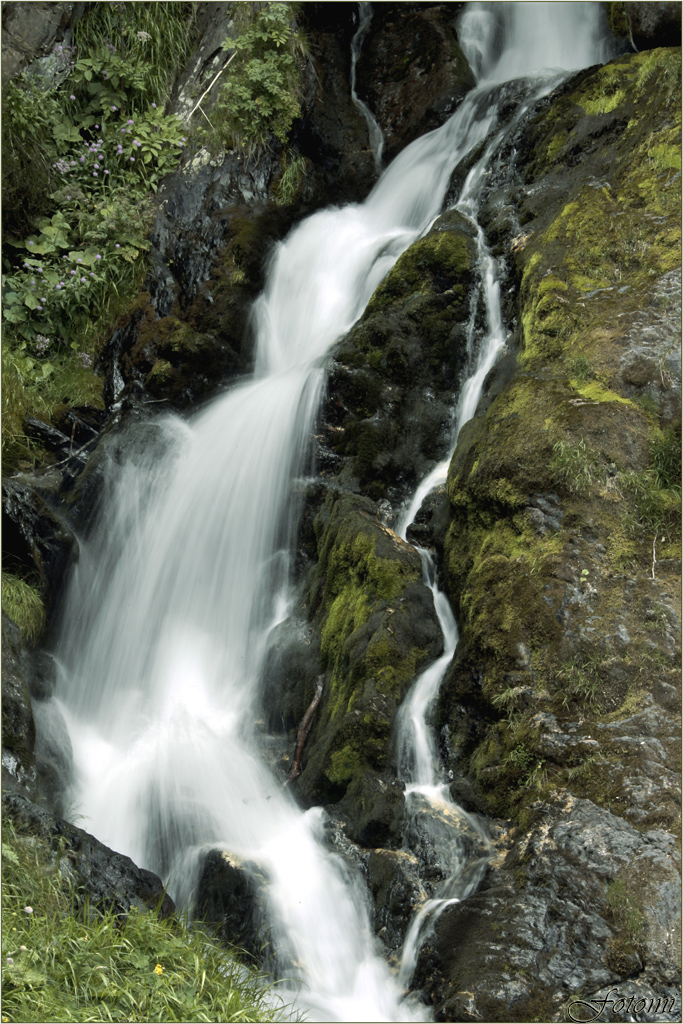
(374, 131)
(460, 840)
(167, 618)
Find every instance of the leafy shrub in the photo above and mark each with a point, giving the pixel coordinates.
(258, 93)
(62, 963)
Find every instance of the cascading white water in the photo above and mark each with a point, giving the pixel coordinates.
(374, 131)
(167, 617)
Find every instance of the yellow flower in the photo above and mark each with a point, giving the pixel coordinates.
(158, 969)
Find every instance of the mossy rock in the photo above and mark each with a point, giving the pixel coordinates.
(556, 502)
(389, 411)
(378, 627)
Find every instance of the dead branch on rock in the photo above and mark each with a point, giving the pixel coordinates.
(304, 729)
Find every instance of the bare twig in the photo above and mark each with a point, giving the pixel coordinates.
(303, 732)
(209, 89)
(654, 554)
(74, 455)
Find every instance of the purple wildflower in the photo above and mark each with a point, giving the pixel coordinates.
(72, 97)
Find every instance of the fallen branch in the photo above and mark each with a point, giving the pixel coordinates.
(303, 732)
(209, 89)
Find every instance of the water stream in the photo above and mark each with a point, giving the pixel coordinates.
(180, 582)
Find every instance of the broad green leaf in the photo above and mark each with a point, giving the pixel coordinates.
(15, 314)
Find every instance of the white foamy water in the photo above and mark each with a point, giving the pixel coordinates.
(167, 617)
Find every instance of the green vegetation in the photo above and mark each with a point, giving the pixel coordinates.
(85, 144)
(64, 960)
(258, 95)
(24, 605)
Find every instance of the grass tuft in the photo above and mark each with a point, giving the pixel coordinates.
(24, 605)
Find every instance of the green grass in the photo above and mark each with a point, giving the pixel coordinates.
(61, 963)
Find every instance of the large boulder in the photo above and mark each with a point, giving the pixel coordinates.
(389, 410)
(230, 900)
(377, 625)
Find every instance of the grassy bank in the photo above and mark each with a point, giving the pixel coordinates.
(62, 961)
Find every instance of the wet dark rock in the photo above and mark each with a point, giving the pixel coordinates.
(653, 24)
(18, 726)
(600, 903)
(332, 134)
(289, 675)
(397, 891)
(132, 433)
(428, 529)
(373, 810)
(41, 672)
(98, 874)
(229, 900)
(31, 29)
(377, 626)
(412, 72)
(35, 538)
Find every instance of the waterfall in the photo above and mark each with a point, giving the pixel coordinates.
(181, 580)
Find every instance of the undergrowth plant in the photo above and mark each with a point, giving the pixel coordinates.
(64, 960)
(85, 144)
(258, 95)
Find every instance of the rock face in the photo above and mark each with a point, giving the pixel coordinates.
(562, 705)
(411, 72)
(31, 29)
(646, 25)
(35, 537)
(18, 727)
(389, 411)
